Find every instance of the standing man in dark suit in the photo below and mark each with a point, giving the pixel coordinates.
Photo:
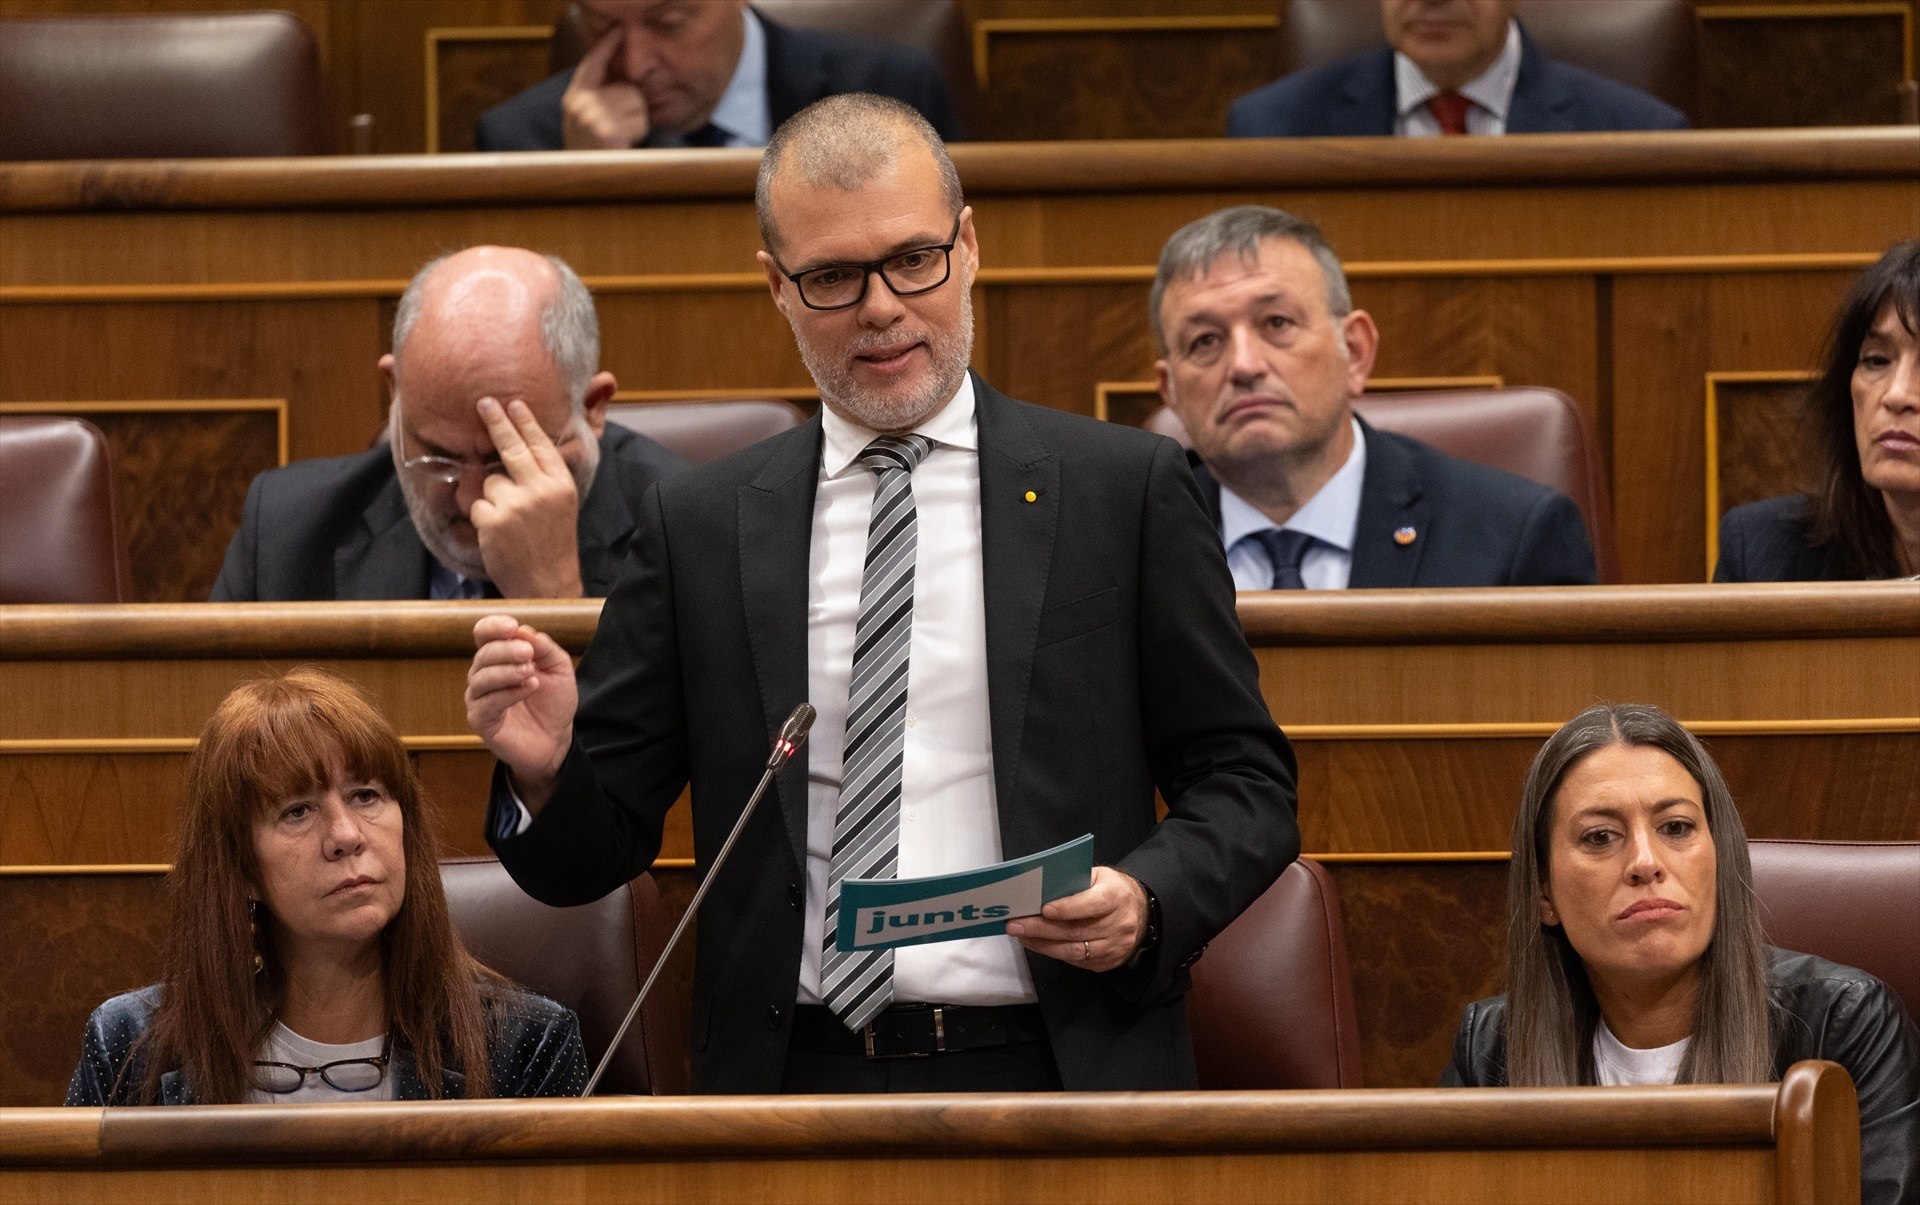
(1262, 356)
(1450, 67)
(664, 73)
(498, 477)
(1016, 624)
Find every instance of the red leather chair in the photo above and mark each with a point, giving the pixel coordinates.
(1534, 433)
(704, 431)
(60, 535)
(1852, 902)
(161, 86)
(1652, 45)
(592, 959)
(938, 28)
(1272, 999)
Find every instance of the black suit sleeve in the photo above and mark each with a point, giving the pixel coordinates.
(628, 762)
(1553, 548)
(1224, 769)
(1732, 565)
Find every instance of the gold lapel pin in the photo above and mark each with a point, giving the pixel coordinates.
(1032, 497)
(1404, 536)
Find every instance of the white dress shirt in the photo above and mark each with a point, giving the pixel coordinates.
(1491, 93)
(949, 815)
(1331, 517)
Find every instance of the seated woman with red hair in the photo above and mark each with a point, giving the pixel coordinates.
(309, 956)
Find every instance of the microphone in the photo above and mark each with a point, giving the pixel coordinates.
(792, 735)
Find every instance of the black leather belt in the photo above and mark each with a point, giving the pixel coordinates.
(918, 1030)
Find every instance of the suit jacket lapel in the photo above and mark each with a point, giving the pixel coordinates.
(604, 522)
(776, 538)
(1016, 539)
(1365, 105)
(1391, 500)
(385, 558)
(1538, 105)
(792, 83)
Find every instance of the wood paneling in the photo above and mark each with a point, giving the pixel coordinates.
(1797, 65)
(471, 70)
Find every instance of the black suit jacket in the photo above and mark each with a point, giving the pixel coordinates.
(803, 65)
(1356, 97)
(1767, 542)
(1115, 666)
(338, 528)
(1472, 525)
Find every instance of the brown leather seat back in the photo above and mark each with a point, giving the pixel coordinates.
(1272, 999)
(161, 86)
(1652, 45)
(1534, 433)
(592, 959)
(936, 28)
(60, 535)
(704, 431)
(1852, 902)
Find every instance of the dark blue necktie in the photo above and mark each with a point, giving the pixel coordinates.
(1285, 550)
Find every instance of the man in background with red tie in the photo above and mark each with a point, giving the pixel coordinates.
(1449, 67)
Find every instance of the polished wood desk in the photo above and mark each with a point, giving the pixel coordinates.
(1414, 714)
(219, 316)
(1793, 1142)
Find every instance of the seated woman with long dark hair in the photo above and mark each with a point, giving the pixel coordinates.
(1862, 519)
(1634, 952)
(309, 955)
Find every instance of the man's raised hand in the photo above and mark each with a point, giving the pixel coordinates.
(520, 700)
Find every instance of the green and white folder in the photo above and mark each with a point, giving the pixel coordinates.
(882, 914)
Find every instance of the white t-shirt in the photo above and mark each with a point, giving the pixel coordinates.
(285, 1046)
(1615, 1064)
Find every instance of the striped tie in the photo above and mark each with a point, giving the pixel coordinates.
(866, 829)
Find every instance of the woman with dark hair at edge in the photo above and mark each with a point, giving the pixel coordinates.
(309, 955)
(1862, 519)
(1634, 949)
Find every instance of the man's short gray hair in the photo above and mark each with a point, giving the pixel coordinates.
(569, 326)
(845, 141)
(1240, 230)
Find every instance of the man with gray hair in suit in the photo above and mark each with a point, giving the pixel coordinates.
(499, 476)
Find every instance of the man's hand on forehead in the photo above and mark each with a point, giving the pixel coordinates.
(527, 518)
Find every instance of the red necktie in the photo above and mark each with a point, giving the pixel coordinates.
(1450, 109)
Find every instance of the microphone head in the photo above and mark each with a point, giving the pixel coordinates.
(793, 734)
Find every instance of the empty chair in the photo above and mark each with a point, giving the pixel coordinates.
(1851, 902)
(592, 959)
(1272, 999)
(161, 86)
(704, 431)
(1534, 433)
(60, 536)
(1652, 45)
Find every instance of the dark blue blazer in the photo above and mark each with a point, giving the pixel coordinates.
(803, 65)
(338, 528)
(1356, 97)
(1767, 542)
(1472, 525)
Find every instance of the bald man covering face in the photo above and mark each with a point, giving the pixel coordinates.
(499, 476)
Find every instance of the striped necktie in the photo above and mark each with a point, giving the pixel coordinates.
(856, 985)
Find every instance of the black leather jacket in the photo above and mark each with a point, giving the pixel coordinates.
(532, 1043)
(1821, 1010)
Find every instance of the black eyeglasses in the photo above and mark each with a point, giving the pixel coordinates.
(345, 1075)
(908, 273)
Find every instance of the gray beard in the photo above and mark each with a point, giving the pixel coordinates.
(877, 412)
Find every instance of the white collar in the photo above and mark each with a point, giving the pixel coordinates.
(1491, 90)
(952, 425)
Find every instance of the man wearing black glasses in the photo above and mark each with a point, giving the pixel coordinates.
(1015, 625)
(498, 477)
